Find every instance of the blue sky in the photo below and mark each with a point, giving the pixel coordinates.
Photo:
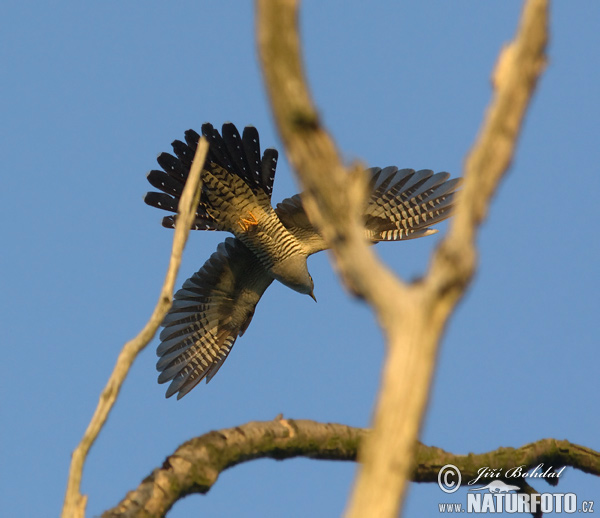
(92, 92)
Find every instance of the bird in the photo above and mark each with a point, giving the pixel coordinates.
(216, 305)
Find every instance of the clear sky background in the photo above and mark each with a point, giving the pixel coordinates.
(92, 92)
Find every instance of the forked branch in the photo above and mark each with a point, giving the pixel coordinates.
(412, 316)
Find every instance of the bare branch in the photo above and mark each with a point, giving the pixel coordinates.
(517, 71)
(74, 504)
(332, 197)
(452, 268)
(412, 317)
(195, 466)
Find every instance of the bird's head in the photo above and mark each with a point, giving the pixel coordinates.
(293, 272)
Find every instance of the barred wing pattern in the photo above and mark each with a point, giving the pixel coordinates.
(403, 205)
(209, 312)
(217, 303)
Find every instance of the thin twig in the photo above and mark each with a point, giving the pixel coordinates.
(74, 504)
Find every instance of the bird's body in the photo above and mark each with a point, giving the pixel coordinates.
(216, 304)
(250, 217)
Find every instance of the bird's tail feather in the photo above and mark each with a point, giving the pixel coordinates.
(233, 160)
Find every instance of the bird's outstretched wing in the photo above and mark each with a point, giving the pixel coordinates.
(216, 304)
(238, 155)
(403, 204)
(209, 312)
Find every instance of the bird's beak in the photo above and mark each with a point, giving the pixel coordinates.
(312, 296)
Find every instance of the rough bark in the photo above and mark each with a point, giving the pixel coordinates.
(412, 316)
(196, 465)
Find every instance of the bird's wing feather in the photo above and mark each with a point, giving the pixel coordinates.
(209, 312)
(403, 204)
(293, 216)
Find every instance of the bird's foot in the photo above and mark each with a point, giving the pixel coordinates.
(246, 223)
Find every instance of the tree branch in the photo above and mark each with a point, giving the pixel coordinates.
(195, 466)
(413, 316)
(74, 504)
